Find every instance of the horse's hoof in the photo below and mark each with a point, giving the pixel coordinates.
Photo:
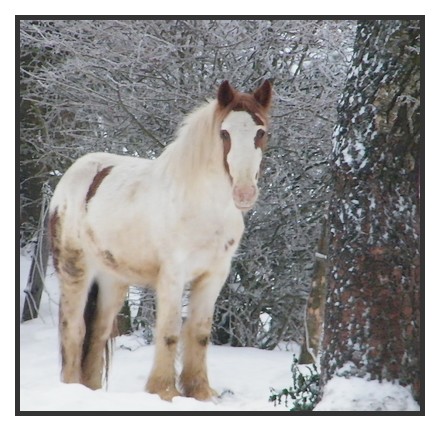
(202, 393)
(169, 394)
(166, 393)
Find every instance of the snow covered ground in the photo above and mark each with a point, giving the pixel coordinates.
(248, 373)
(243, 375)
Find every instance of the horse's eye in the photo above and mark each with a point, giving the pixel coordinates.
(260, 133)
(224, 134)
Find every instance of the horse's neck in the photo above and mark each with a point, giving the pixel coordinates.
(195, 158)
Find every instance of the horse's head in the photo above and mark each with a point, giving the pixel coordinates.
(243, 131)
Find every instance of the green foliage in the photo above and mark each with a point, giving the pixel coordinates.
(304, 392)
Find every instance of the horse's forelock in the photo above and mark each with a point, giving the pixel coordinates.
(244, 102)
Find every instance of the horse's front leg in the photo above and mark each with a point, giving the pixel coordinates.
(162, 380)
(196, 333)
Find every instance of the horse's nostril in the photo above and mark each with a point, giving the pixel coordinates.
(245, 195)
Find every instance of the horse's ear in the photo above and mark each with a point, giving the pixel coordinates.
(263, 94)
(225, 94)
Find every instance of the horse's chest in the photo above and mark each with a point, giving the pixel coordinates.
(209, 247)
(216, 243)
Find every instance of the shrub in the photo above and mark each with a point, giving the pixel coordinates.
(304, 392)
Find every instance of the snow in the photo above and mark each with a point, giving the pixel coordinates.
(244, 376)
(357, 394)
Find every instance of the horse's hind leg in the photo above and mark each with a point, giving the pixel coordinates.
(105, 301)
(196, 333)
(74, 286)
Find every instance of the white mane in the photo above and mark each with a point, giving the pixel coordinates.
(197, 148)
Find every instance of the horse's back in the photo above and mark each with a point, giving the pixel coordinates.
(75, 185)
(78, 186)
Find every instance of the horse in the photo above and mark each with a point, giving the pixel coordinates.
(118, 221)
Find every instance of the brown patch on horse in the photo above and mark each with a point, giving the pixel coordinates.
(71, 263)
(170, 341)
(230, 243)
(109, 258)
(260, 140)
(257, 120)
(226, 138)
(242, 107)
(54, 224)
(245, 102)
(256, 104)
(203, 340)
(96, 182)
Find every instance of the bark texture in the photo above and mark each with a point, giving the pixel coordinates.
(314, 320)
(372, 320)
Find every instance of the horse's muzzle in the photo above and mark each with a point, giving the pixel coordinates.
(245, 196)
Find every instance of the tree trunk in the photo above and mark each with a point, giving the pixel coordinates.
(314, 319)
(372, 321)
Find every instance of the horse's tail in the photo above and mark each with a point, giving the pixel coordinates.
(90, 313)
